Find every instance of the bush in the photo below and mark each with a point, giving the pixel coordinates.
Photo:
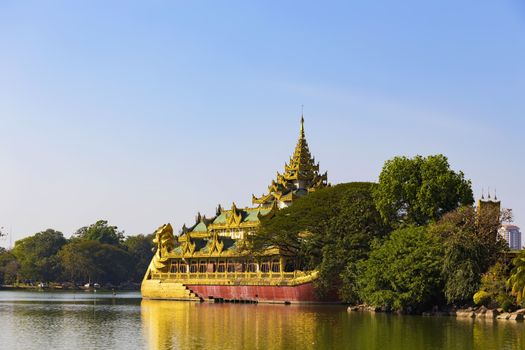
(508, 305)
(482, 298)
(403, 272)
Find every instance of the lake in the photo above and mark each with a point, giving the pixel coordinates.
(87, 320)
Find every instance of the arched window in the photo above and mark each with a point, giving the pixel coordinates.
(182, 267)
(276, 266)
(203, 266)
(193, 267)
(252, 266)
(265, 266)
(289, 266)
(222, 266)
(231, 266)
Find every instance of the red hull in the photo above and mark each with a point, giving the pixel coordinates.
(302, 293)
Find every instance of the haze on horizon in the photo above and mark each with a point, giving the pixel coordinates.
(143, 114)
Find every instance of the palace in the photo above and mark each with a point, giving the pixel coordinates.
(207, 260)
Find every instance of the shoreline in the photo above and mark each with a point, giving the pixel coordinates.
(68, 288)
(478, 313)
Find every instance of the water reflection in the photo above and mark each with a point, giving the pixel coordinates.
(33, 320)
(182, 325)
(84, 321)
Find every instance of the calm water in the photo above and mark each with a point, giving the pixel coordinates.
(82, 320)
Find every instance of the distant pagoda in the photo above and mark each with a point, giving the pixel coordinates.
(300, 177)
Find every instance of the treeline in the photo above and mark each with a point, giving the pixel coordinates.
(98, 253)
(409, 243)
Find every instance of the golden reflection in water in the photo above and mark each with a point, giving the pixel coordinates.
(186, 325)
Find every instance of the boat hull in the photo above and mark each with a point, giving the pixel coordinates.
(301, 293)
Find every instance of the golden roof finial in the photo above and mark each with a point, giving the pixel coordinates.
(302, 123)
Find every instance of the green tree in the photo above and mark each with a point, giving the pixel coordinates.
(419, 190)
(140, 248)
(101, 232)
(294, 229)
(494, 282)
(8, 267)
(90, 260)
(403, 272)
(329, 230)
(517, 277)
(346, 241)
(470, 248)
(37, 255)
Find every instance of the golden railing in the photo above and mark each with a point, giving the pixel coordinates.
(237, 278)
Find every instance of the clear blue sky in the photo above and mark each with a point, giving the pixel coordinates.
(143, 113)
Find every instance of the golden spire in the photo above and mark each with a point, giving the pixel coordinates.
(301, 174)
(302, 126)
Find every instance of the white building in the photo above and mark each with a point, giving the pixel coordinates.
(512, 235)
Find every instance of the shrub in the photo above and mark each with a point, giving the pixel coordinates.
(508, 305)
(482, 298)
(403, 272)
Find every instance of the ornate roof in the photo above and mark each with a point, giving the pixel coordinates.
(214, 236)
(235, 218)
(301, 175)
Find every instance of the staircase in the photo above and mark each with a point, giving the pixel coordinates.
(154, 289)
(191, 294)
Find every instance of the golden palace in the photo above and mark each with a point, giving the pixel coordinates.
(207, 260)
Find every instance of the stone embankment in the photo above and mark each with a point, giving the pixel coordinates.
(477, 313)
(368, 308)
(363, 308)
(490, 314)
(484, 313)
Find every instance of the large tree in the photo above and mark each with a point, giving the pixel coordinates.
(517, 277)
(329, 230)
(8, 267)
(140, 248)
(470, 248)
(403, 272)
(37, 255)
(90, 260)
(419, 190)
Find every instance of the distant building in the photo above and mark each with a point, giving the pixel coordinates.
(488, 215)
(512, 235)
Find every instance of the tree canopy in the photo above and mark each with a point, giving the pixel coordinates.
(140, 247)
(470, 248)
(101, 232)
(90, 260)
(416, 191)
(403, 272)
(517, 278)
(8, 267)
(37, 255)
(97, 252)
(329, 229)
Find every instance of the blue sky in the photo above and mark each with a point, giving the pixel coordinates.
(143, 113)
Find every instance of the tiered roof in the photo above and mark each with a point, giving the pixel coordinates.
(301, 175)
(215, 236)
(234, 218)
